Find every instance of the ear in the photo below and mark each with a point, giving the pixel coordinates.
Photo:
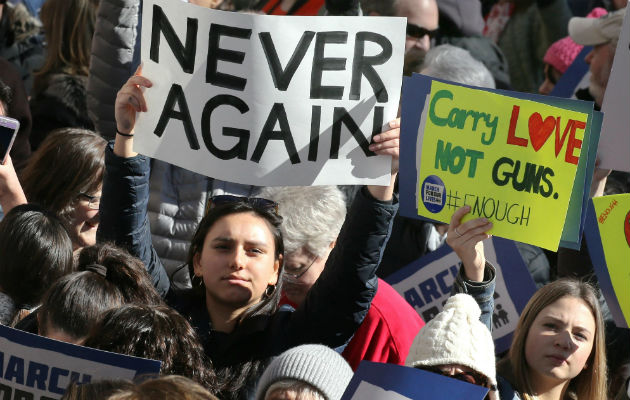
(332, 244)
(273, 280)
(197, 265)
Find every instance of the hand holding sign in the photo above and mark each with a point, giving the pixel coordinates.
(387, 143)
(130, 101)
(466, 240)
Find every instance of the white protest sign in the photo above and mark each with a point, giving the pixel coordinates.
(614, 144)
(35, 367)
(269, 100)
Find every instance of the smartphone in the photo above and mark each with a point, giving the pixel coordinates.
(8, 130)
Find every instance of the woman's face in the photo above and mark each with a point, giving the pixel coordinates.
(237, 261)
(84, 221)
(560, 341)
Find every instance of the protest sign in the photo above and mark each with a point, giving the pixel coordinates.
(614, 147)
(608, 239)
(378, 381)
(426, 285)
(35, 367)
(494, 153)
(269, 100)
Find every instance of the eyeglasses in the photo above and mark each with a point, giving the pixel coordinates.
(93, 201)
(297, 273)
(419, 32)
(256, 202)
(473, 377)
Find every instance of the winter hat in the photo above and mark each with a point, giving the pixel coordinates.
(562, 53)
(591, 32)
(314, 364)
(455, 336)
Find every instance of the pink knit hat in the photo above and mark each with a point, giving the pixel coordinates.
(562, 53)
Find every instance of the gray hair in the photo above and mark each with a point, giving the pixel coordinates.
(301, 389)
(312, 216)
(386, 8)
(457, 65)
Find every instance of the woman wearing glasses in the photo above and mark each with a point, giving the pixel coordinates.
(65, 176)
(236, 261)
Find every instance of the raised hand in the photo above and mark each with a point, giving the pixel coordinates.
(466, 240)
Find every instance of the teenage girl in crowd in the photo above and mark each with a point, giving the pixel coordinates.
(236, 262)
(558, 349)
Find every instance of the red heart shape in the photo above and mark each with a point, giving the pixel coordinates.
(626, 227)
(539, 130)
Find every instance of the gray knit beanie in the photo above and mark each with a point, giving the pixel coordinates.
(314, 364)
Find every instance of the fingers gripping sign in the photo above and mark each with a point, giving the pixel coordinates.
(387, 143)
(130, 101)
(466, 239)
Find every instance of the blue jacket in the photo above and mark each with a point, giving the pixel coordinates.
(332, 311)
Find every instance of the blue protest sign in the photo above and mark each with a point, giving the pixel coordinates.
(35, 367)
(377, 381)
(426, 284)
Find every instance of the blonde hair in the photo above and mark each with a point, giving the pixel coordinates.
(590, 383)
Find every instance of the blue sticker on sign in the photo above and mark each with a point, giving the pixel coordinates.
(433, 194)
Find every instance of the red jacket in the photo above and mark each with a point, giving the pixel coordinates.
(387, 331)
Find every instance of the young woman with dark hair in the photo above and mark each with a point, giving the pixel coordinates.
(236, 262)
(109, 277)
(36, 251)
(65, 175)
(158, 333)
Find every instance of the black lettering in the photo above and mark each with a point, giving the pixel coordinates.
(277, 114)
(363, 65)
(6, 392)
(184, 54)
(342, 117)
(240, 149)
(545, 178)
(282, 78)
(22, 395)
(316, 116)
(216, 53)
(176, 94)
(495, 171)
(321, 64)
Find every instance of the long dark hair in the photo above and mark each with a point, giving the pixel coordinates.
(269, 303)
(108, 278)
(155, 332)
(235, 379)
(35, 251)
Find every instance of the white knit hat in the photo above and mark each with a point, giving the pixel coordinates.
(315, 364)
(455, 336)
(594, 31)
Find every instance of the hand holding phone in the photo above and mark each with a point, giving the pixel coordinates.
(8, 131)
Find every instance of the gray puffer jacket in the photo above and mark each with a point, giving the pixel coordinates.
(113, 60)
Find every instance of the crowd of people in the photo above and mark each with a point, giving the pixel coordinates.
(246, 292)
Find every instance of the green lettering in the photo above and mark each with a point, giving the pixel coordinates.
(442, 94)
(442, 155)
(474, 156)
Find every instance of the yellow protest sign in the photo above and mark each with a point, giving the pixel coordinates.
(511, 160)
(613, 221)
